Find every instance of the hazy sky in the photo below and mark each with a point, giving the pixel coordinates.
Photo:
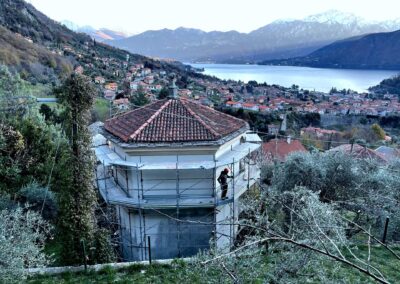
(241, 15)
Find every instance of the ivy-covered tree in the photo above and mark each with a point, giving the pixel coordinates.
(77, 197)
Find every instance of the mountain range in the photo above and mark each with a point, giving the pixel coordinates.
(373, 51)
(277, 40)
(100, 35)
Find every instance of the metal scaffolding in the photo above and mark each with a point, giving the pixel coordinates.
(197, 220)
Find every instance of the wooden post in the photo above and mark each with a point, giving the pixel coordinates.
(330, 141)
(385, 230)
(84, 253)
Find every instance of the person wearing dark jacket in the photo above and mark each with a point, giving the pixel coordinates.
(223, 181)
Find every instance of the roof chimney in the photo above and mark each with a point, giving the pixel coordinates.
(289, 139)
(173, 90)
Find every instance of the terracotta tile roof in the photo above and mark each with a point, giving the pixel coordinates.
(280, 149)
(360, 152)
(173, 121)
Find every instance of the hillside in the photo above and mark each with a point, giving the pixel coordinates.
(388, 86)
(374, 51)
(279, 39)
(33, 61)
(25, 28)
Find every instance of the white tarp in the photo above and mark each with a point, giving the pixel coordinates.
(237, 153)
(99, 140)
(253, 137)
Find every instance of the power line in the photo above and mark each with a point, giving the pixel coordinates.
(52, 168)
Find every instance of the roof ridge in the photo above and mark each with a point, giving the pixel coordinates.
(215, 133)
(136, 133)
(131, 111)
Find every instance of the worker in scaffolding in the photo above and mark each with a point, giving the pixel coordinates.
(223, 181)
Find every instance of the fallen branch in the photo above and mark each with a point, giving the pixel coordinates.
(372, 236)
(291, 241)
(229, 272)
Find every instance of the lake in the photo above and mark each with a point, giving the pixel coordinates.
(307, 78)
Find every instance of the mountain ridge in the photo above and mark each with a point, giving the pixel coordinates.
(279, 39)
(372, 51)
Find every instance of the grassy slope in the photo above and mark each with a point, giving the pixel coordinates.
(180, 272)
(17, 51)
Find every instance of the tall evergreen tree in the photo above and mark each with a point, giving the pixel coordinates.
(139, 99)
(76, 194)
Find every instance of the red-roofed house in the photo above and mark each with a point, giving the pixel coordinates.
(233, 104)
(99, 80)
(111, 86)
(78, 70)
(279, 149)
(250, 106)
(264, 109)
(109, 95)
(122, 103)
(360, 152)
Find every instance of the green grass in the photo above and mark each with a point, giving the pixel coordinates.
(156, 273)
(381, 258)
(40, 90)
(102, 108)
(180, 272)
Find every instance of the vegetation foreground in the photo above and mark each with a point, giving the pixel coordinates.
(180, 271)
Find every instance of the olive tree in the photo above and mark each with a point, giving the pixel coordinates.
(22, 236)
(307, 222)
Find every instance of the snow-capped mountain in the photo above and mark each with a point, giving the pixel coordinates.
(334, 17)
(279, 39)
(99, 35)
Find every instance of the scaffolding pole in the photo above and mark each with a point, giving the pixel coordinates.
(140, 211)
(232, 205)
(178, 226)
(248, 171)
(215, 193)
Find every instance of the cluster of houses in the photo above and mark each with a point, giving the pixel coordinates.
(137, 79)
(357, 105)
(270, 98)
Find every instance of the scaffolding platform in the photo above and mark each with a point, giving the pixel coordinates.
(114, 194)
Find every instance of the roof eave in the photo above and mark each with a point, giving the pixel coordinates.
(136, 145)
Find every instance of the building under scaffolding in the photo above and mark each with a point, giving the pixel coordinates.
(158, 166)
